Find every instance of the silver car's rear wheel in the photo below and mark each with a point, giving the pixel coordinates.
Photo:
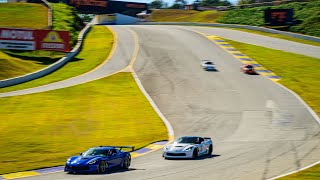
(210, 150)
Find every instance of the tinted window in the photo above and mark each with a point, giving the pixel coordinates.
(96, 152)
(192, 140)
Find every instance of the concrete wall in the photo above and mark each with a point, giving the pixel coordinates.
(116, 18)
(123, 19)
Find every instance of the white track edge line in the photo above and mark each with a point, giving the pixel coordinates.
(155, 107)
(316, 117)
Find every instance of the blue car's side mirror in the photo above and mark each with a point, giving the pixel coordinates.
(81, 154)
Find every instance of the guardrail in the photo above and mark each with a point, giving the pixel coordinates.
(52, 67)
(295, 35)
(46, 3)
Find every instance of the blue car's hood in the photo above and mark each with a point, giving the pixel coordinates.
(81, 160)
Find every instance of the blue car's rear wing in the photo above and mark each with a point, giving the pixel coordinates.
(121, 147)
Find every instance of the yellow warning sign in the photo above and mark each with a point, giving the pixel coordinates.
(52, 37)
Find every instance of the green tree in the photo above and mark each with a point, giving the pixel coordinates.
(156, 4)
(215, 3)
(241, 2)
(178, 4)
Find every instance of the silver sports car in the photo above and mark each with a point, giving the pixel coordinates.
(188, 147)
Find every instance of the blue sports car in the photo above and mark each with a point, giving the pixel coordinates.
(99, 159)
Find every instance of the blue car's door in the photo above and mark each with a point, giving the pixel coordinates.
(115, 158)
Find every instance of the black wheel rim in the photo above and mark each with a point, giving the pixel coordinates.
(102, 167)
(126, 162)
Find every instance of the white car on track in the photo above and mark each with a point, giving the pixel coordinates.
(188, 147)
(208, 65)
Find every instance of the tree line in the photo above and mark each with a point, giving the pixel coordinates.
(179, 4)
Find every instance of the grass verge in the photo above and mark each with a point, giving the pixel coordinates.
(299, 73)
(13, 65)
(280, 36)
(96, 47)
(44, 129)
(23, 15)
(174, 15)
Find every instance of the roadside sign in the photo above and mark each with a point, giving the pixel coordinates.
(29, 39)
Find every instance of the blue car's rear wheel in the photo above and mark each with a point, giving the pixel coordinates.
(126, 163)
(102, 167)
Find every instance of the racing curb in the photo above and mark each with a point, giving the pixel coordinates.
(268, 74)
(244, 59)
(150, 148)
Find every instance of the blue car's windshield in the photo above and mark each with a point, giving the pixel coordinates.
(96, 152)
(193, 140)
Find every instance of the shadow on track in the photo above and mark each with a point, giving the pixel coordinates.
(198, 158)
(109, 171)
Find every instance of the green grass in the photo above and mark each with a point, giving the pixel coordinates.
(12, 65)
(35, 16)
(23, 15)
(312, 173)
(280, 36)
(174, 15)
(97, 45)
(299, 73)
(44, 129)
(65, 18)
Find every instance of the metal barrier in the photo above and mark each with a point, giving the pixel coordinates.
(52, 67)
(295, 35)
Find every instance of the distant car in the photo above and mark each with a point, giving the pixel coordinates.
(247, 68)
(208, 65)
(99, 159)
(188, 147)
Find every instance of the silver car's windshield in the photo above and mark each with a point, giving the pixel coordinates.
(189, 140)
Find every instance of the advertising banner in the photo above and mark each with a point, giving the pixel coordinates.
(52, 40)
(18, 39)
(28, 39)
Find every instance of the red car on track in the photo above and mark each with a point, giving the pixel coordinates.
(247, 68)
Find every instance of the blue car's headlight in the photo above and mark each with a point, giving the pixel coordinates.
(92, 161)
(68, 160)
(188, 149)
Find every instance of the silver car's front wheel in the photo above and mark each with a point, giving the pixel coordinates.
(195, 153)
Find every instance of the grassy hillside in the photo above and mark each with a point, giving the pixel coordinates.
(306, 13)
(35, 16)
(13, 65)
(98, 41)
(44, 129)
(23, 15)
(175, 15)
(65, 18)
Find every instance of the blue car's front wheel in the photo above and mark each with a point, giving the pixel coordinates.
(102, 167)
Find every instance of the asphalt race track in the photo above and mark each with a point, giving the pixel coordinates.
(259, 129)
